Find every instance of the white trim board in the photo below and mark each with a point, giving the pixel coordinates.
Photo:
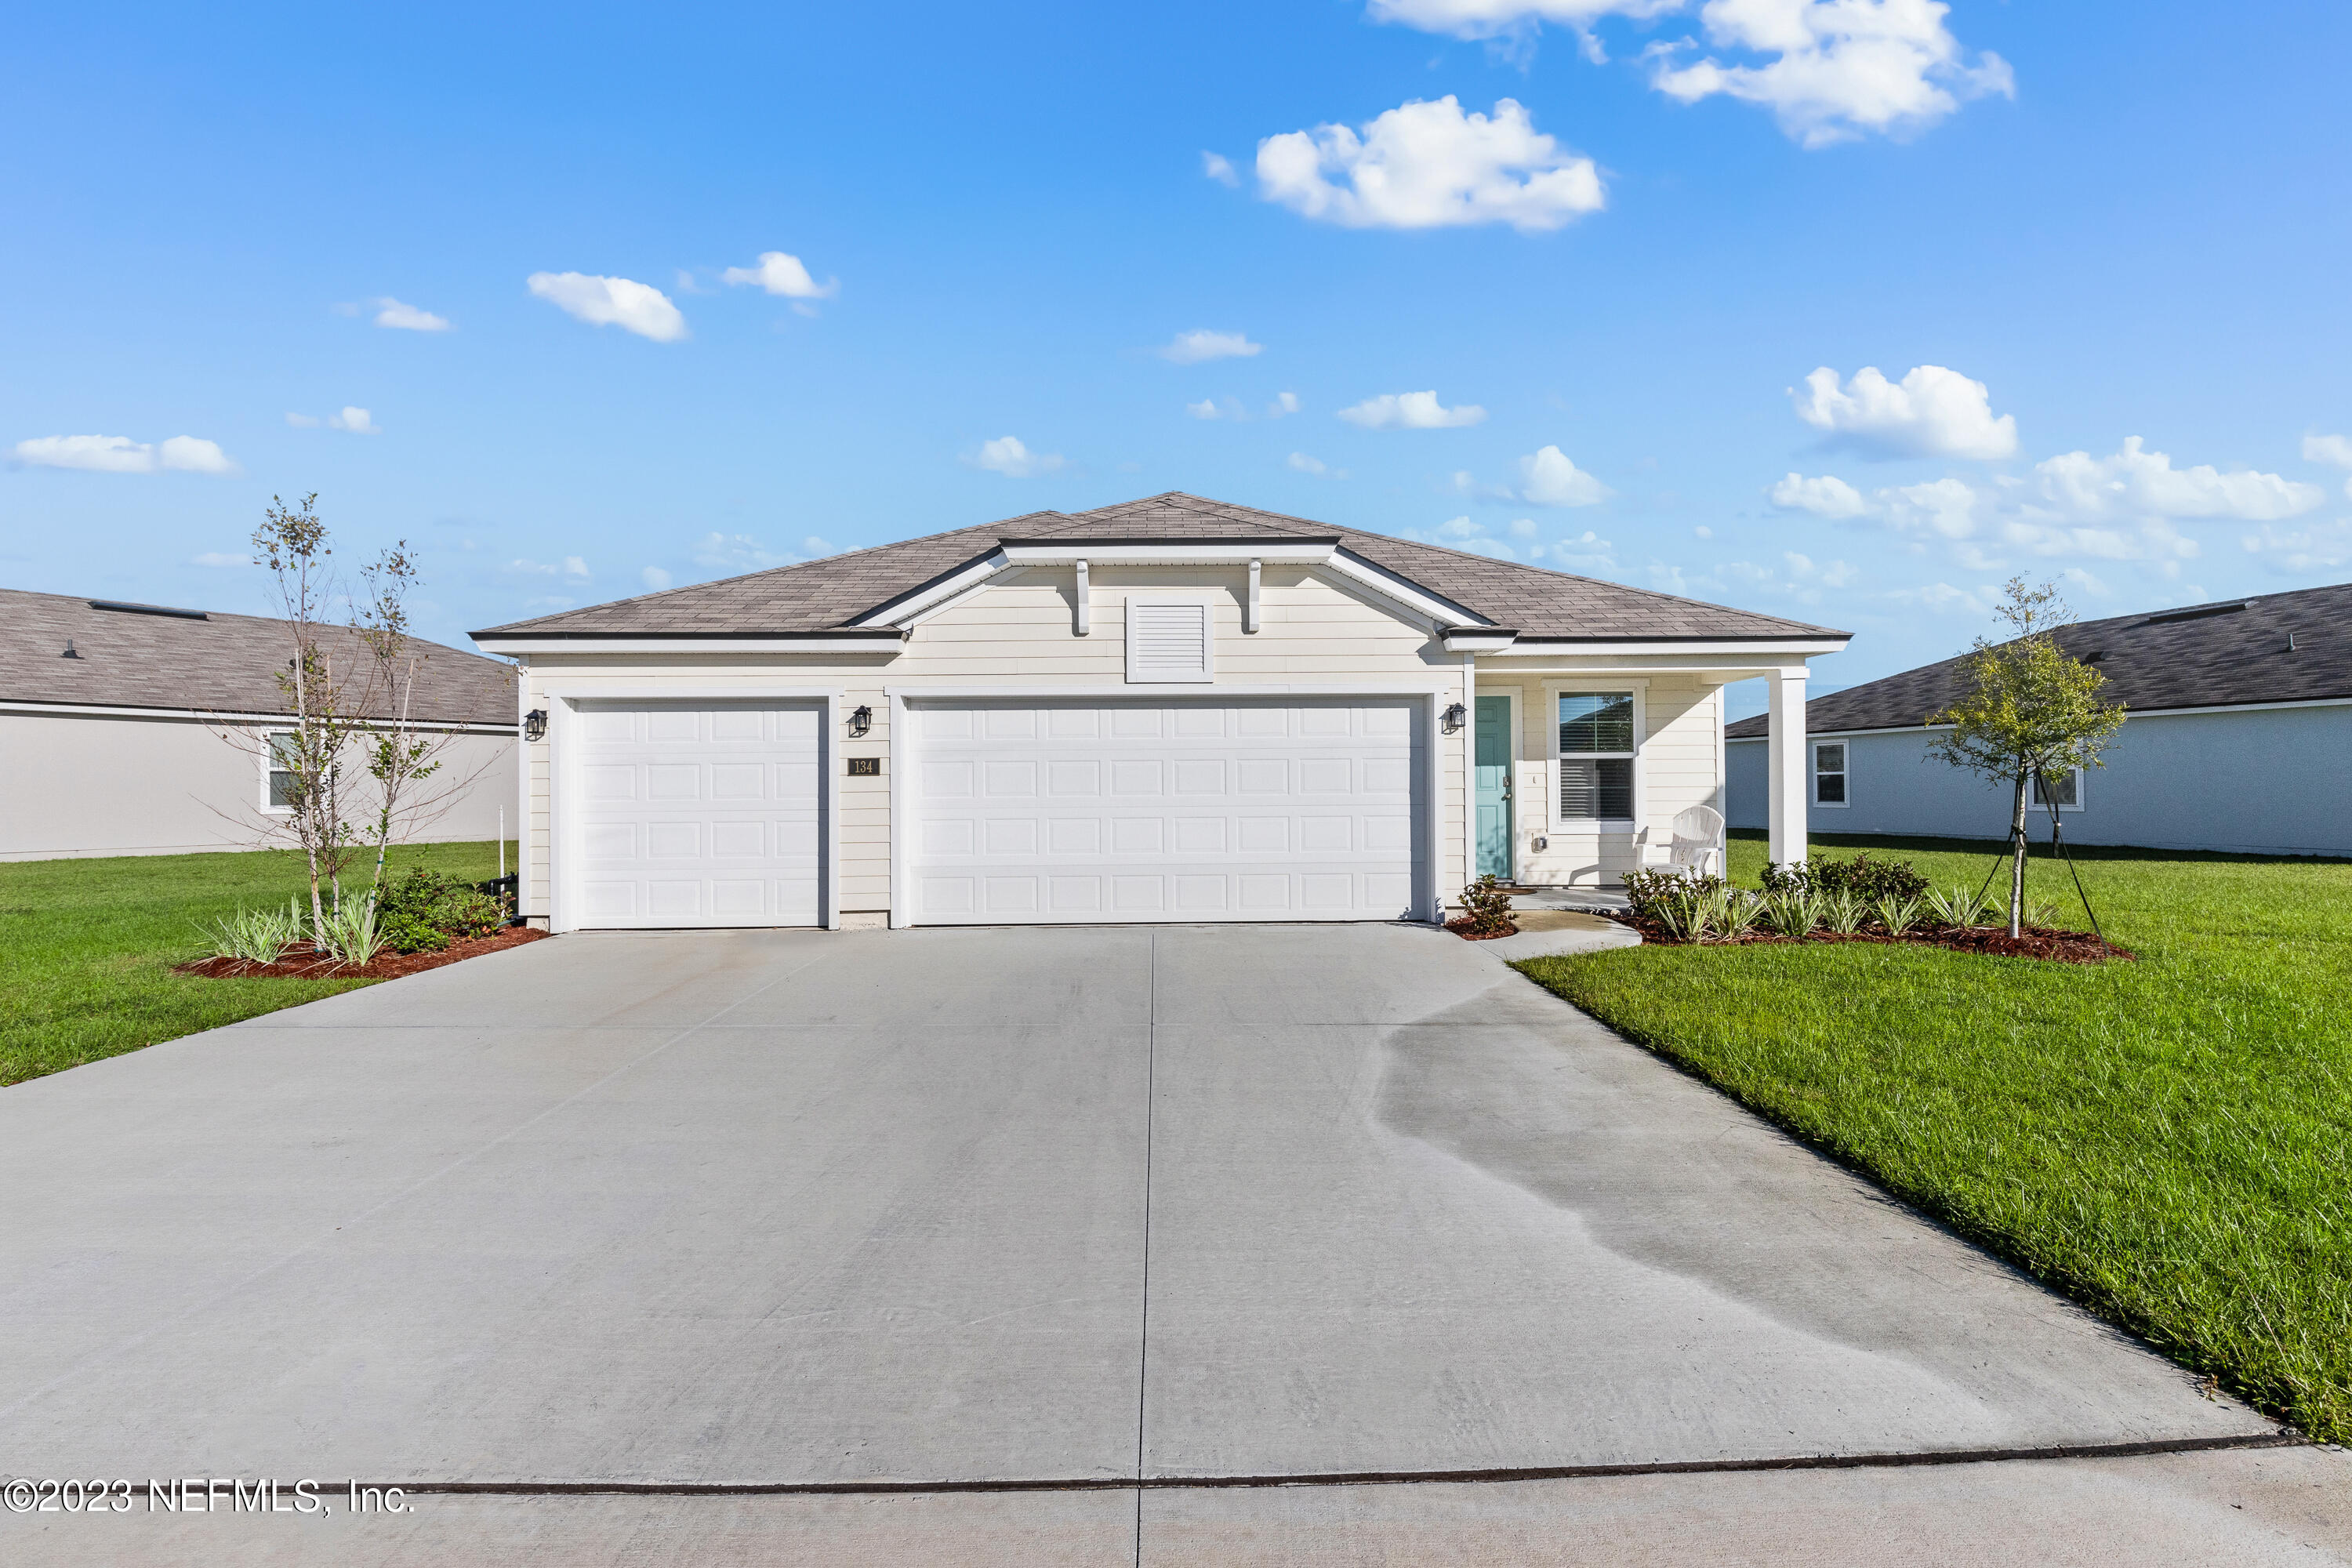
(204, 716)
(716, 647)
(2128, 715)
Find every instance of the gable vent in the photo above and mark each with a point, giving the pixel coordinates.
(1168, 639)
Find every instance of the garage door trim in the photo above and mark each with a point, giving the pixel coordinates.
(1431, 694)
(564, 800)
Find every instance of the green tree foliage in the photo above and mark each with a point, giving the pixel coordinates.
(2029, 709)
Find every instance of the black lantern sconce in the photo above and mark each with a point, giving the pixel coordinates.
(534, 724)
(860, 721)
(1453, 716)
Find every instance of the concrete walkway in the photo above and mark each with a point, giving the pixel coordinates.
(1033, 1208)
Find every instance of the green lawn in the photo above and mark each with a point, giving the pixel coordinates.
(87, 948)
(2169, 1141)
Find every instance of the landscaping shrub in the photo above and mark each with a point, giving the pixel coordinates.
(1488, 906)
(425, 911)
(1867, 879)
(1667, 897)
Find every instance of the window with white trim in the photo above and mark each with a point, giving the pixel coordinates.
(2067, 786)
(1596, 757)
(277, 765)
(1829, 773)
(1169, 638)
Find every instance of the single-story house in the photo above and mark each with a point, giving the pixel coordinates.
(1169, 709)
(140, 730)
(2238, 738)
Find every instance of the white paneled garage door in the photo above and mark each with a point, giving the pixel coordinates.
(1207, 809)
(697, 813)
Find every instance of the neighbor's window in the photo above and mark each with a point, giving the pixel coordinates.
(1829, 773)
(2067, 786)
(1596, 757)
(282, 759)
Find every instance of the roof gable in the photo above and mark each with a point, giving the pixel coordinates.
(819, 596)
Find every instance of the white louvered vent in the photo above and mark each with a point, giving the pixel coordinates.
(1168, 639)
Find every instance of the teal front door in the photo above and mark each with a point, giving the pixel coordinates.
(1493, 786)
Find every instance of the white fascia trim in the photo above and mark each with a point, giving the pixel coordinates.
(1240, 553)
(948, 587)
(1538, 647)
(698, 686)
(717, 646)
(1478, 641)
(205, 715)
(1439, 612)
(1123, 692)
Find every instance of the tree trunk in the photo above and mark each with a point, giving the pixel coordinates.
(2017, 859)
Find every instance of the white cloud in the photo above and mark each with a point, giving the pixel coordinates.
(1195, 347)
(2335, 450)
(1300, 462)
(356, 421)
(2322, 546)
(1827, 496)
(1410, 411)
(1284, 403)
(1944, 599)
(1836, 69)
(1220, 168)
(221, 558)
(1702, 532)
(122, 455)
(655, 578)
(1504, 18)
(1007, 456)
(1587, 551)
(2123, 507)
(1931, 411)
(572, 566)
(1547, 477)
(1205, 409)
(1429, 165)
(622, 302)
(739, 553)
(390, 312)
(302, 421)
(784, 274)
(1462, 533)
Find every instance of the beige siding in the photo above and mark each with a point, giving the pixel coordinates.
(1679, 768)
(111, 785)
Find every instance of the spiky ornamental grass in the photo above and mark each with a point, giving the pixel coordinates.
(2166, 1140)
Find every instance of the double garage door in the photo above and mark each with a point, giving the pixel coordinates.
(1203, 810)
(1028, 812)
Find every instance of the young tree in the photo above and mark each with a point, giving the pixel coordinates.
(292, 542)
(398, 760)
(2029, 710)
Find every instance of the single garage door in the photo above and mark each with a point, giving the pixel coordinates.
(1206, 809)
(698, 813)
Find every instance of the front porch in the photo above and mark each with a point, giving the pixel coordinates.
(1577, 772)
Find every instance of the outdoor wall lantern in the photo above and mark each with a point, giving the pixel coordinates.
(861, 720)
(1453, 719)
(534, 725)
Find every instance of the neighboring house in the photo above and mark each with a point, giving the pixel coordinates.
(1169, 709)
(2238, 738)
(137, 729)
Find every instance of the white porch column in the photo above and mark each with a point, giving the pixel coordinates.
(1786, 764)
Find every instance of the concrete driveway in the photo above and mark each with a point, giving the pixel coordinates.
(1047, 1207)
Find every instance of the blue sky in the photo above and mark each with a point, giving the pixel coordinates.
(1841, 311)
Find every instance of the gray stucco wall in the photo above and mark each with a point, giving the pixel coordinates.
(2263, 782)
(77, 785)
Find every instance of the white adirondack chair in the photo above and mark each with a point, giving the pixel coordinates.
(1698, 841)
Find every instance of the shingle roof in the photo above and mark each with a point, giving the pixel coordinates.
(208, 662)
(827, 596)
(2206, 656)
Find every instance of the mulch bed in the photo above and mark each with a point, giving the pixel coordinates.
(2037, 942)
(309, 963)
(1460, 927)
